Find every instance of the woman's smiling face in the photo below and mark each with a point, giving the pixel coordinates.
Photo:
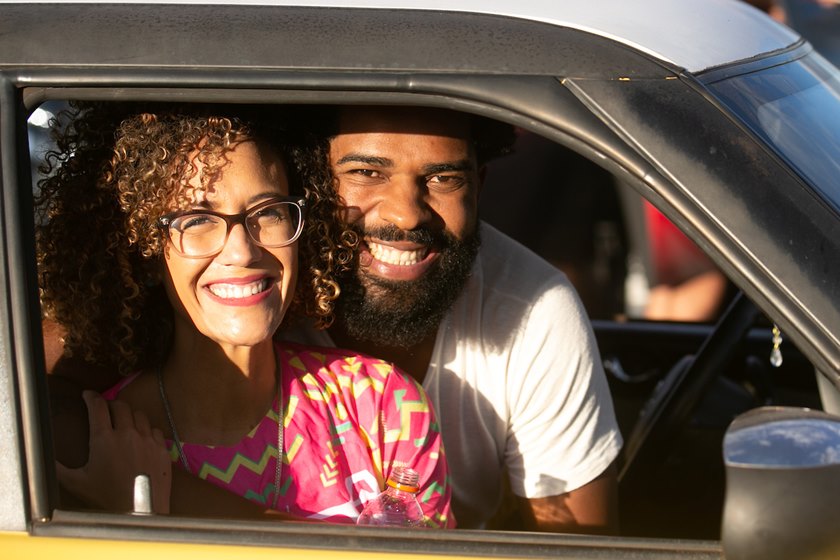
(237, 297)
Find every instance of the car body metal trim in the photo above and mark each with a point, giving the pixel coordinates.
(677, 31)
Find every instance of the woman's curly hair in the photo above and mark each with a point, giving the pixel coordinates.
(116, 168)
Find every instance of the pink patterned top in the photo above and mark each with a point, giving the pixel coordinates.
(349, 419)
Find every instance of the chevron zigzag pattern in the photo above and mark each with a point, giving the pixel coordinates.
(239, 460)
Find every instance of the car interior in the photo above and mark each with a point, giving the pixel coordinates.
(676, 384)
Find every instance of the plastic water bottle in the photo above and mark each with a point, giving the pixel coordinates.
(397, 505)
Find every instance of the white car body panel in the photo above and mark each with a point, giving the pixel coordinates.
(690, 34)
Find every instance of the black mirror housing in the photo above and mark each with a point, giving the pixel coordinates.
(782, 485)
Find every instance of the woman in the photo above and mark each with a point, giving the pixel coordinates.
(176, 265)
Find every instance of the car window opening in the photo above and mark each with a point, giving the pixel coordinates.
(630, 266)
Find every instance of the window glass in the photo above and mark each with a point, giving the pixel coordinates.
(796, 109)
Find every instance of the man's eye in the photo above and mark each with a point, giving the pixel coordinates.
(364, 172)
(445, 182)
(362, 176)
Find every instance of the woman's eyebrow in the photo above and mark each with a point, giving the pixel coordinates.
(214, 204)
(201, 205)
(375, 161)
(267, 195)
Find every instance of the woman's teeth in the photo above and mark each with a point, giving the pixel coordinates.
(389, 255)
(238, 291)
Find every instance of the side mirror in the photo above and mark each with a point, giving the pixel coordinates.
(782, 485)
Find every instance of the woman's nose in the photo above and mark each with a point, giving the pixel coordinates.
(239, 249)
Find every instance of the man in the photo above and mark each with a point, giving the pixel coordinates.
(496, 335)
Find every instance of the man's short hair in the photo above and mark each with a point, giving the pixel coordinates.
(490, 138)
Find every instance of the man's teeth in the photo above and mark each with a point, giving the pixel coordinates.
(238, 291)
(389, 255)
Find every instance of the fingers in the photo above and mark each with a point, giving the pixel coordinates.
(121, 415)
(122, 444)
(99, 419)
(157, 435)
(141, 423)
(108, 416)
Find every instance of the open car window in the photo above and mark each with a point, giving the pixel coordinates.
(582, 220)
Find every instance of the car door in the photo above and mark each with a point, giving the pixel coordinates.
(643, 123)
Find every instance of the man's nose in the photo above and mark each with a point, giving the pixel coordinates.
(405, 205)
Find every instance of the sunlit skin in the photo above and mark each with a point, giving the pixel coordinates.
(238, 297)
(412, 172)
(408, 169)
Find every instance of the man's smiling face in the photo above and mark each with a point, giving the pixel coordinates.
(410, 181)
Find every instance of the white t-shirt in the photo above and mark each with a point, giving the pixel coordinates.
(517, 382)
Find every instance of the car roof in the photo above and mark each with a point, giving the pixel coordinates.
(685, 33)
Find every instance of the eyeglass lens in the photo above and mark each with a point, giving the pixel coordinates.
(199, 234)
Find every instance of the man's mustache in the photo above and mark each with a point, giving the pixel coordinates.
(421, 236)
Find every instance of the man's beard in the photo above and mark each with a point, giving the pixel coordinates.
(402, 313)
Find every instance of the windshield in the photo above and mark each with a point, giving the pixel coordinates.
(795, 108)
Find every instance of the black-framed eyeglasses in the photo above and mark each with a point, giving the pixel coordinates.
(201, 233)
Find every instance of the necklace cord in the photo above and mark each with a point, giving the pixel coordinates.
(171, 420)
(281, 453)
